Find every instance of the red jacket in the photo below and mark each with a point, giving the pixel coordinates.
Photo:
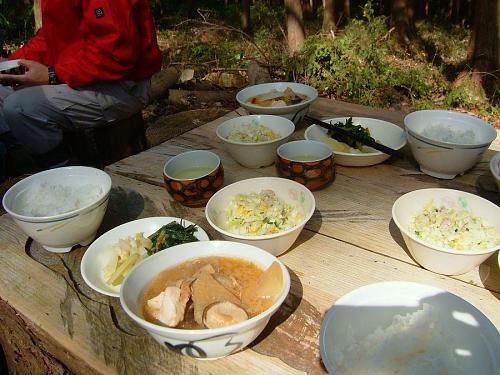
(95, 40)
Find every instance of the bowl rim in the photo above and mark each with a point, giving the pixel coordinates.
(234, 328)
(93, 248)
(318, 143)
(66, 215)
(289, 131)
(302, 223)
(183, 154)
(444, 144)
(424, 288)
(430, 245)
(495, 165)
(364, 154)
(293, 107)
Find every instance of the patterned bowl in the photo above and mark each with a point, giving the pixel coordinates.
(310, 163)
(193, 177)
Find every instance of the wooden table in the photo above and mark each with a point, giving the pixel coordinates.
(52, 322)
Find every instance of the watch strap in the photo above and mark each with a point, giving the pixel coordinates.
(53, 80)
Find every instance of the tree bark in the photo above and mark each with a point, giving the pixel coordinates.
(347, 8)
(294, 25)
(37, 11)
(402, 15)
(245, 15)
(329, 16)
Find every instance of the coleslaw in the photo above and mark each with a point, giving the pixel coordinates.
(261, 213)
(453, 228)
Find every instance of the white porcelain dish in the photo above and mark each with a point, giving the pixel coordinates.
(59, 233)
(473, 339)
(200, 343)
(443, 159)
(434, 257)
(384, 132)
(495, 169)
(290, 191)
(97, 255)
(8, 65)
(294, 112)
(255, 154)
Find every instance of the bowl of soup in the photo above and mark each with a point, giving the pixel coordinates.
(286, 99)
(192, 177)
(207, 299)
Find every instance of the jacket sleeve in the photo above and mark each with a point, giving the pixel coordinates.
(110, 46)
(35, 49)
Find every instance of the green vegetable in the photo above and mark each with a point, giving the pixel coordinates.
(171, 234)
(357, 130)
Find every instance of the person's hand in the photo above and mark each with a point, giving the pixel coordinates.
(34, 74)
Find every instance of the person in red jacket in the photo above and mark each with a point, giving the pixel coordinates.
(89, 64)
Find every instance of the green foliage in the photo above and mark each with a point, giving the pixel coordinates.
(358, 65)
(16, 20)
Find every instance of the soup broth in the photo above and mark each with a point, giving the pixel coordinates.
(209, 284)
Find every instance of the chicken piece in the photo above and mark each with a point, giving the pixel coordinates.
(221, 314)
(206, 291)
(170, 305)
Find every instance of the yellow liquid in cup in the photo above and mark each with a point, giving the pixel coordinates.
(190, 173)
(304, 157)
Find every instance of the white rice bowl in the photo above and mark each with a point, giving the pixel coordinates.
(407, 328)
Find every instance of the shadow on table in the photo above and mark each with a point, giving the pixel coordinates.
(124, 205)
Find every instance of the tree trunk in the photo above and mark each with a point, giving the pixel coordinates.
(329, 16)
(403, 20)
(483, 53)
(245, 15)
(347, 8)
(294, 25)
(37, 11)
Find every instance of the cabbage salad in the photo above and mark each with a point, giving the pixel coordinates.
(261, 213)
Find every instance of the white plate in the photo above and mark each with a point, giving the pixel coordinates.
(473, 338)
(384, 132)
(8, 64)
(97, 255)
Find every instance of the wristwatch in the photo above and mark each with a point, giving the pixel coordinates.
(53, 80)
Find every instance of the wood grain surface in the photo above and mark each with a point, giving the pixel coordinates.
(351, 241)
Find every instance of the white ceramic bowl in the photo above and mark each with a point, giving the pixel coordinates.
(471, 337)
(384, 132)
(59, 233)
(445, 159)
(434, 257)
(290, 191)
(258, 154)
(293, 112)
(97, 255)
(495, 169)
(200, 343)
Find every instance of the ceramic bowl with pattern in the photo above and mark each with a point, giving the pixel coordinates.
(294, 112)
(289, 197)
(200, 343)
(309, 163)
(60, 208)
(193, 177)
(248, 138)
(447, 143)
(440, 258)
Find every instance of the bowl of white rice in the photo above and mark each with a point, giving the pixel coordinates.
(448, 231)
(447, 143)
(407, 328)
(60, 208)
